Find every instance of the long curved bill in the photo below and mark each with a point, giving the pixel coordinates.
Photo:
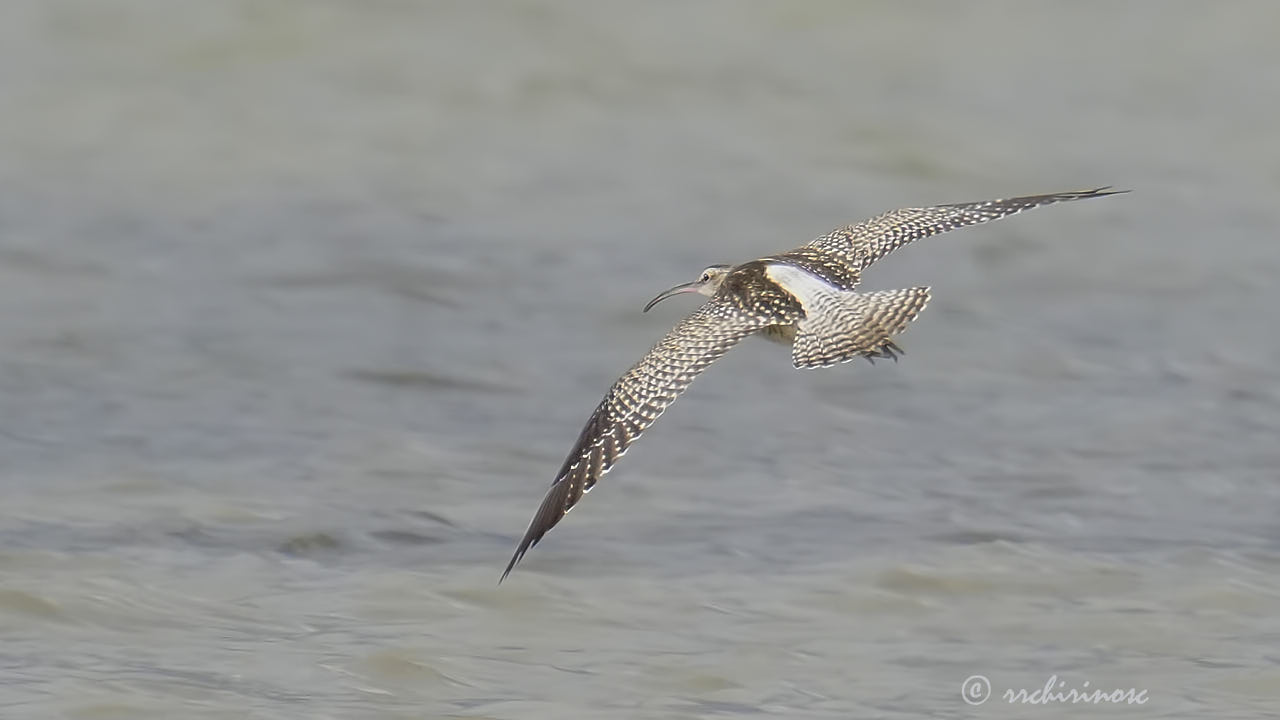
(685, 288)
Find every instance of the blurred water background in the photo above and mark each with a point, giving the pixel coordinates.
(302, 303)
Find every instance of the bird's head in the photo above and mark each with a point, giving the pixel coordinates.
(706, 284)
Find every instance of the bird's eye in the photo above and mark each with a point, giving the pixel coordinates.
(705, 277)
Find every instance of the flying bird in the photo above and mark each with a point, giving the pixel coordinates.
(805, 297)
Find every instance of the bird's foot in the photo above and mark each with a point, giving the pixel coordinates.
(889, 350)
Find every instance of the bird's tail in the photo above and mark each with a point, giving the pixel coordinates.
(850, 325)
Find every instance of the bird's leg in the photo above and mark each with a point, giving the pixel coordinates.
(889, 350)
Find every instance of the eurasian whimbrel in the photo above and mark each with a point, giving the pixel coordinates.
(804, 297)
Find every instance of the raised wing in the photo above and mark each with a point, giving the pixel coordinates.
(635, 401)
(866, 242)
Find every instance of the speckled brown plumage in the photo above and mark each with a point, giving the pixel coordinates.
(857, 246)
(803, 296)
(851, 325)
(744, 304)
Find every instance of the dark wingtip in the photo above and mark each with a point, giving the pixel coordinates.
(525, 543)
(514, 559)
(1103, 191)
(531, 538)
(549, 513)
